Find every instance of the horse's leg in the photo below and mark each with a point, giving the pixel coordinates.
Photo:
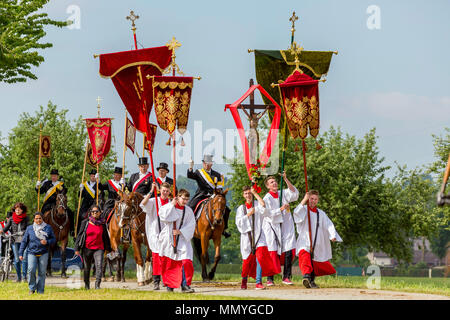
(148, 266)
(123, 260)
(63, 257)
(204, 257)
(217, 241)
(49, 263)
(139, 261)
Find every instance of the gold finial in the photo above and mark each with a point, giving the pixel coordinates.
(296, 50)
(98, 106)
(133, 18)
(293, 19)
(173, 45)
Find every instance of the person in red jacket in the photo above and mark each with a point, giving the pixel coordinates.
(93, 240)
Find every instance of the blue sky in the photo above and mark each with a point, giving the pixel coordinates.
(395, 79)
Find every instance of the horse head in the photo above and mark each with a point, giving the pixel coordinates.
(219, 204)
(128, 207)
(60, 204)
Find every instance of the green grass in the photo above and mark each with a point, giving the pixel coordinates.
(10, 290)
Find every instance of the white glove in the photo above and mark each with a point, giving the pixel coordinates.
(97, 176)
(122, 181)
(81, 186)
(191, 164)
(38, 183)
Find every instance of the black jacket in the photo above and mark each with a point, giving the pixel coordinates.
(112, 193)
(145, 186)
(16, 228)
(81, 237)
(87, 200)
(47, 185)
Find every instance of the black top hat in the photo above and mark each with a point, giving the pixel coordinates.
(54, 171)
(143, 160)
(164, 166)
(93, 171)
(118, 170)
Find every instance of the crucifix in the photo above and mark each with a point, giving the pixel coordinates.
(293, 19)
(173, 45)
(98, 106)
(253, 118)
(133, 18)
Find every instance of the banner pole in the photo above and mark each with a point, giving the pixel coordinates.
(124, 148)
(82, 177)
(39, 165)
(97, 184)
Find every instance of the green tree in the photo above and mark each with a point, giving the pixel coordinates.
(19, 157)
(21, 29)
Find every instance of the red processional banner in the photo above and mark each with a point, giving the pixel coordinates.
(172, 99)
(300, 94)
(130, 139)
(99, 132)
(150, 137)
(128, 71)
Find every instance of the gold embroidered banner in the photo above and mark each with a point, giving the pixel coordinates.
(45, 146)
(172, 98)
(150, 137)
(300, 94)
(130, 135)
(99, 131)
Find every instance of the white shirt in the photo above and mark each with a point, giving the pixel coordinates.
(244, 225)
(326, 232)
(151, 223)
(281, 222)
(168, 214)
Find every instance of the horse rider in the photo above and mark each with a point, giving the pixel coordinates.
(207, 180)
(49, 187)
(163, 170)
(113, 186)
(140, 181)
(88, 191)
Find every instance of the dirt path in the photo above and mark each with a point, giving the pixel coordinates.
(278, 292)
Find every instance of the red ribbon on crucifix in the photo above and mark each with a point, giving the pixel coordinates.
(272, 136)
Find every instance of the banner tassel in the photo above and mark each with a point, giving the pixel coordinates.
(318, 146)
(182, 142)
(168, 142)
(297, 148)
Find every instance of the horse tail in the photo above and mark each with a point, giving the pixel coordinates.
(197, 244)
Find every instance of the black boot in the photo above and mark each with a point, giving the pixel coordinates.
(307, 280)
(87, 285)
(226, 215)
(156, 281)
(187, 289)
(313, 284)
(97, 284)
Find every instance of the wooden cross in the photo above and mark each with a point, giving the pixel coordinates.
(98, 106)
(133, 18)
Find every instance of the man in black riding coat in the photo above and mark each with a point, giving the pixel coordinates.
(207, 180)
(49, 187)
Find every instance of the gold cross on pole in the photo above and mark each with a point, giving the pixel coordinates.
(98, 106)
(173, 45)
(296, 50)
(133, 18)
(293, 19)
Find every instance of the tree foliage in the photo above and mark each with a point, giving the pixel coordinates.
(21, 29)
(19, 154)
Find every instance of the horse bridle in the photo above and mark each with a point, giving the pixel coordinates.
(60, 199)
(211, 211)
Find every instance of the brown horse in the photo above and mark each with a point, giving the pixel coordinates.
(139, 238)
(57, 217)
(116, 229)
(210, 225)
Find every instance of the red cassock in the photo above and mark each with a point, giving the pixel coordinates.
(320, 268)
(264, 259)
(156, 264)
(172, 271)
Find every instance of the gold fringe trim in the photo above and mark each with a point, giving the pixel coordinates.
(173, 85)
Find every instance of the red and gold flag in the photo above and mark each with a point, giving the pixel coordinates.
(128, 71)
(172, 99)
(130, 140)
(300, 96)
(99, 131)
(45, 146)
(150, 137)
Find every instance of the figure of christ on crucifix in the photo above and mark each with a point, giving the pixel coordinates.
(253, 118)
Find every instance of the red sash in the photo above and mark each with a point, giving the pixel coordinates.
(113, 185)
(159, 181)
(138, 183)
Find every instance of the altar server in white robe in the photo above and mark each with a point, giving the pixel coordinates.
(153, 227)
(320, 231)
(177, 230)
(279, 226)
(256, 261)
